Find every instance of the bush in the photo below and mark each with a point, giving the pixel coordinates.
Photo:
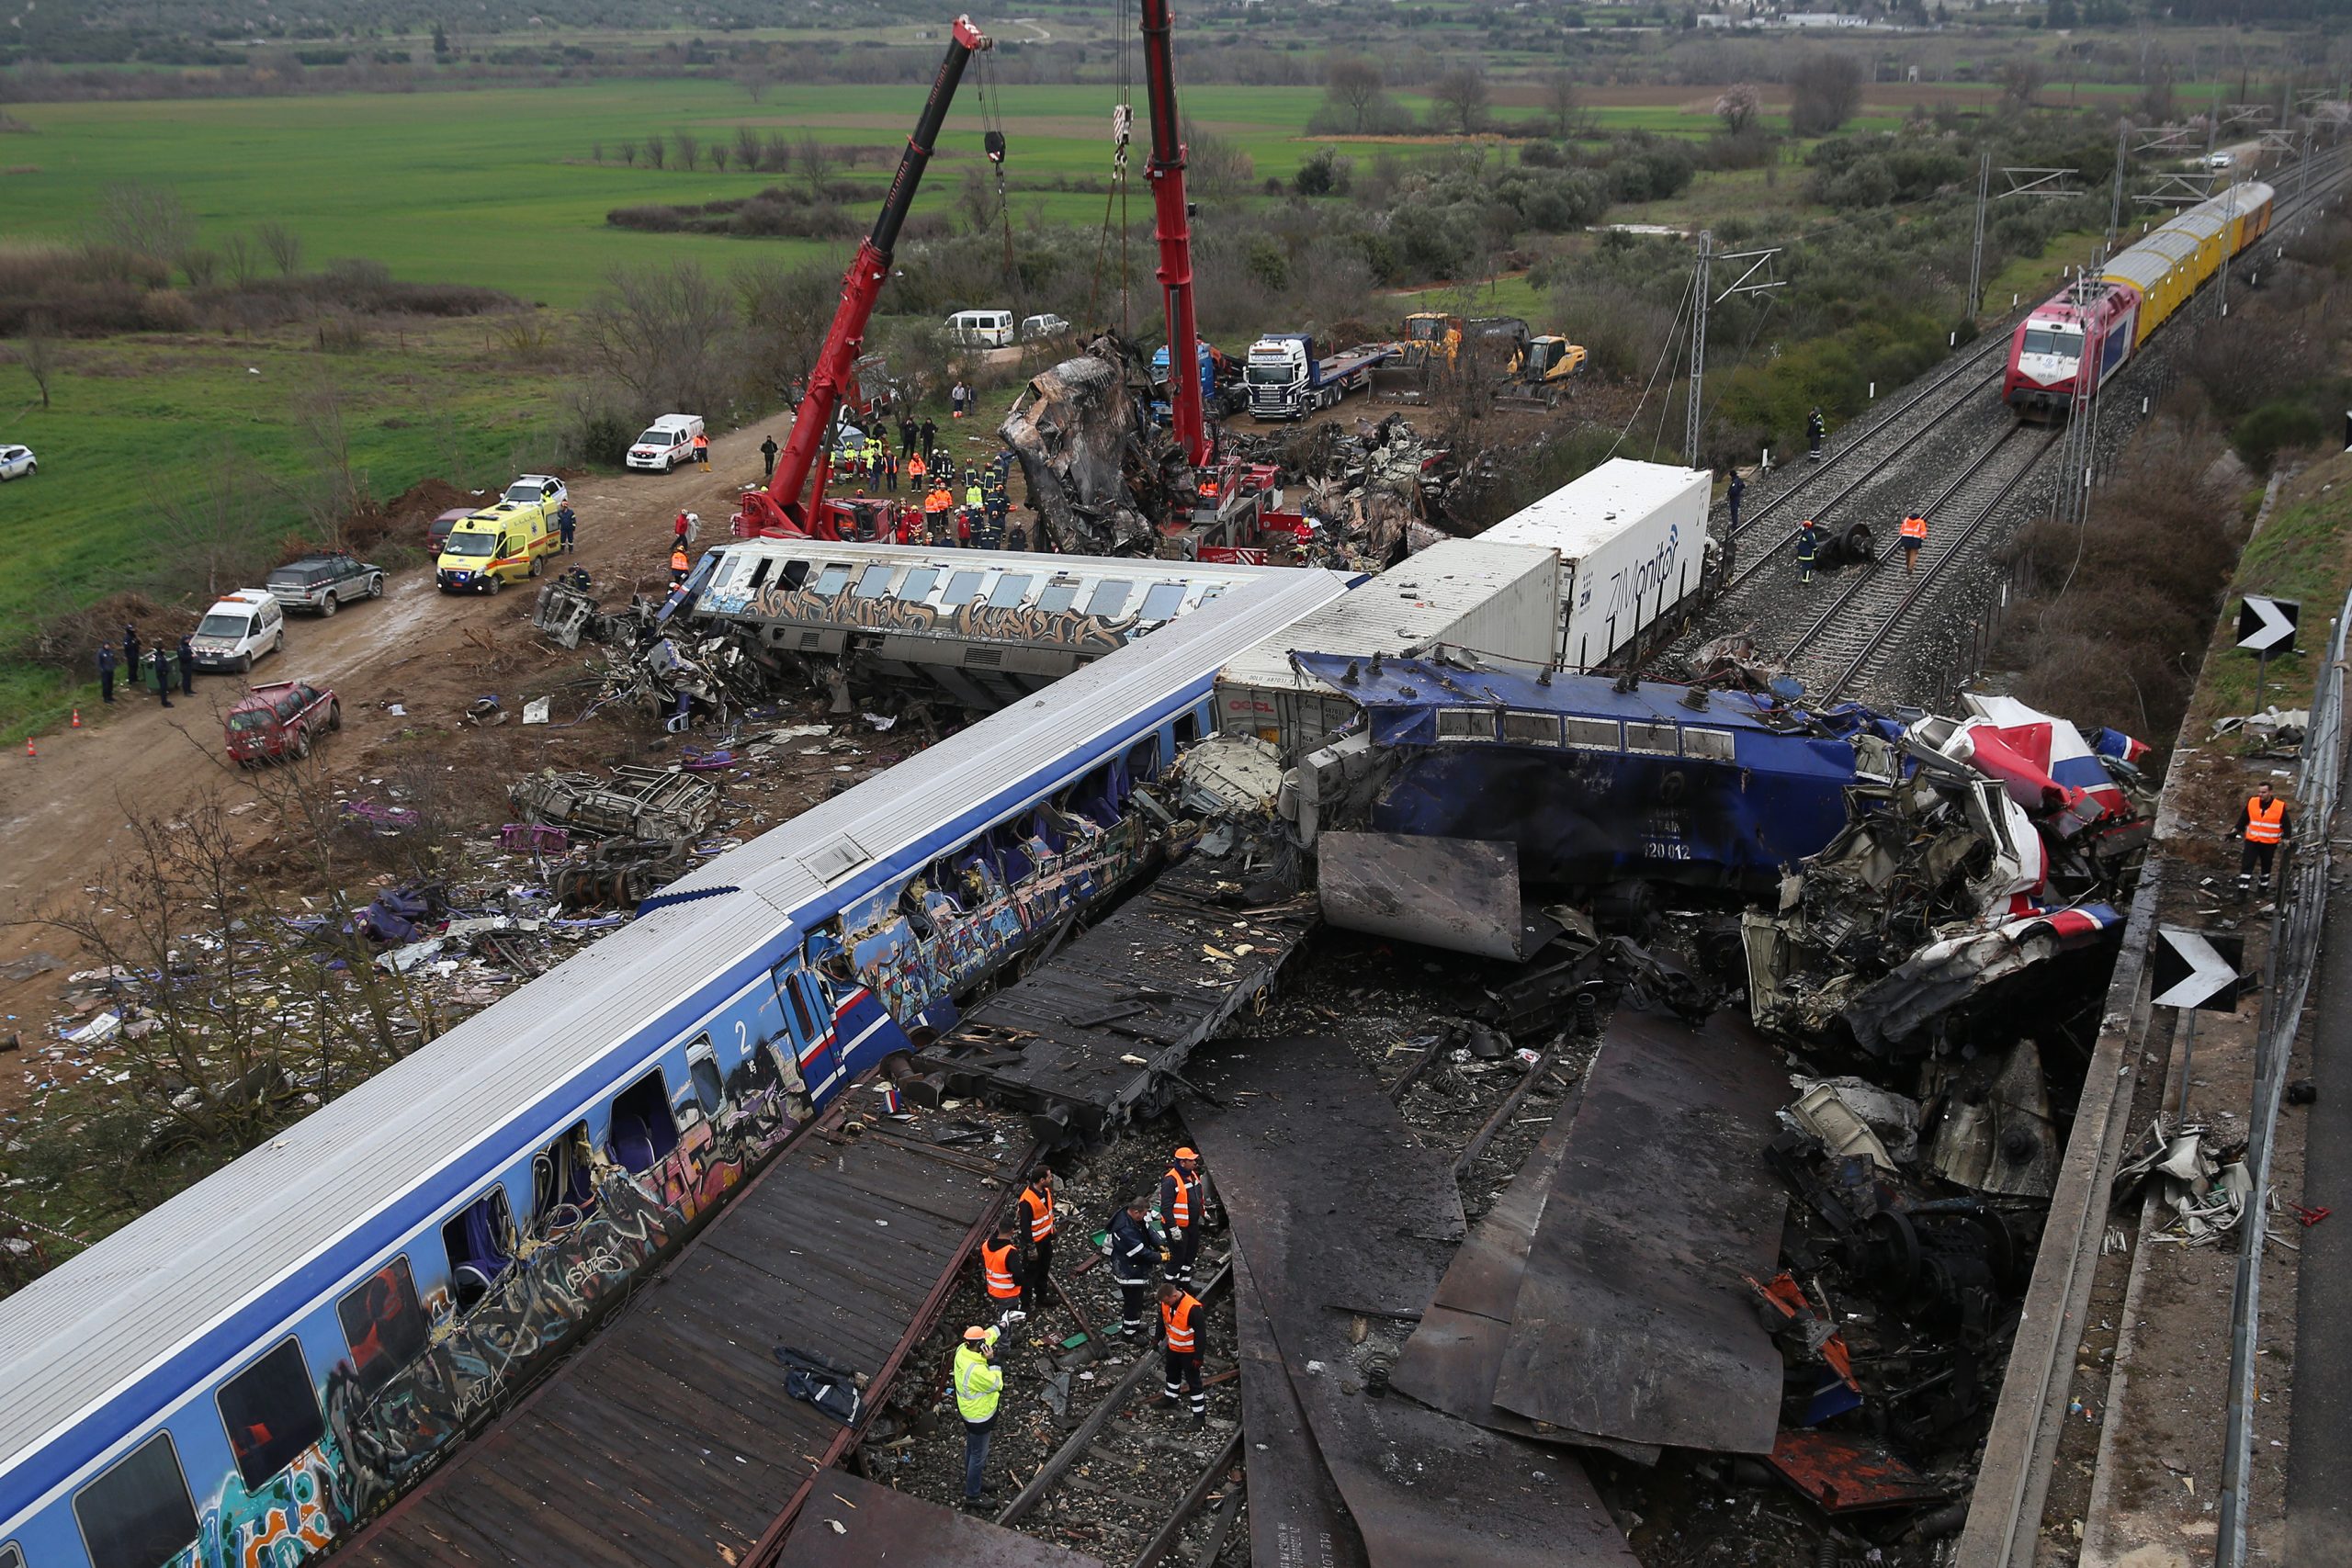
(2273, 428)
(1324, 174)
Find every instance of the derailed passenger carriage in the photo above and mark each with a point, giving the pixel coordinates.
(248, 1371)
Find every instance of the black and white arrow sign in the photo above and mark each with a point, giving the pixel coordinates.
(2267, 625)
(2196, 969)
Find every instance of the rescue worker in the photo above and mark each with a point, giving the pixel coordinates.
(566, 520)
(1808, 539)
(105, 672)
(1737, 493)
(767, 459)
(131, 672)
(702, 450)
(1183, 1322)
(917, 472)
(1914, 537)
(973, 500)
(1004, 1273)
(679, 566)
(2264, 826)
(979, 1383)
(1036, 1206)
(187, 666)
(1179, 1214)
(1816, 431)
(1132, 1253)
(889, 470)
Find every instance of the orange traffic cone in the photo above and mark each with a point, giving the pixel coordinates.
(28, 749)
(77, 720)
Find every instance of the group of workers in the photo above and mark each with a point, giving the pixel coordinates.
(157, 662)
(1145, 1232)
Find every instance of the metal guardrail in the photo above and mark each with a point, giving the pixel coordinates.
(2294, 955)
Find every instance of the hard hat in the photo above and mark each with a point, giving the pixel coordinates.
(974, 1334)
(1188, 1154)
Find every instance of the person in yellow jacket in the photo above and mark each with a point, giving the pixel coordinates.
(973, 498)
(980, 1383)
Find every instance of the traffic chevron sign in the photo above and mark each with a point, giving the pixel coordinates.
(2196, 969)
(2267, 625)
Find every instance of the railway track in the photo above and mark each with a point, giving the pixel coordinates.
(1848, 641)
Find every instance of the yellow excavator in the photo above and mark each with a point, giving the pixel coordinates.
(1432, 339)
(1541, 372)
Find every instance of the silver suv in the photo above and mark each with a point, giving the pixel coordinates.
(325, 582)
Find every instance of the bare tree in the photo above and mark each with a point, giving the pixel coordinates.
(663, 333)
(815, 159)
(596, 153)
(284, 246)
(776, 156)
(334, 486)
(1739, 107)
(2021, 81)
(689, 147)
(747, 147)
(1459, 97)
(238, 254)
(628, 150)
(657, 151)
(1355, 85)
(1221, 169)
(1560, 103)
(202, 265)
(720, 154)
(753, 80)
(784, 312)
(143, 219)
(1823, 92)
(36, 351)
(211, 511)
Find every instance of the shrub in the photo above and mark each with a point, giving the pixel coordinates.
(2274, 428)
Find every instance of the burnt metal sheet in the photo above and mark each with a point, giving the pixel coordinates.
(669, 1441)
(1458, 894)
(851, 1523)
(1846, 1475)
(1632, 1321)
(1298, 1518)
(1340, 1212)
(1158, 975)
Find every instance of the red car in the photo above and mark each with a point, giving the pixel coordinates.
(279, 720)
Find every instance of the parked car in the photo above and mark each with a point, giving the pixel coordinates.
(667, 442)
(1033, 328)
(543, 491)
(436, 532)
(15, 462)
(279, 720)
(239, 629)
(981, 329)
(325, 582)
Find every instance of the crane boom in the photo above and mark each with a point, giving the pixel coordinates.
(781, 510)
(1171, 226)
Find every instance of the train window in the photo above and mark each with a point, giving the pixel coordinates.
(382, 1323)
(644, 1131)
(794, 574)
(1143, 758)
(138, 1513)
(802, 1023)
(1531, 728)
(918, 584)
(271, 1412)
(1059, 595)
(875, 582)
(1715, 745)
(759, 572)
(710, 1091)
(1009, 589)
(1465, 724)
(1215, 590)
(1650, 739)
(477, 1238)
(1110, 598)
(1188, 728)
(1593, 734)
(963, 587)
(830, 581)
(560, 1177)
(1164, 600)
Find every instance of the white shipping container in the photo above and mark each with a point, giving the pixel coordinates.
(1502, 600)
(1632, 541)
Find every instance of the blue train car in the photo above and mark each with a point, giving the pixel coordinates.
(240, 1377)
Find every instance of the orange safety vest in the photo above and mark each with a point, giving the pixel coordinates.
(2263, 826)
(1914, 527)
(1179, 1213)
(995, 1263)
(915, 465)
(936, 501)
(1041, 1214)
(678, 561)
(1178, 1320)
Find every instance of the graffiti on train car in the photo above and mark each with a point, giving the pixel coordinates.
(1070, 629)
(298, 1513)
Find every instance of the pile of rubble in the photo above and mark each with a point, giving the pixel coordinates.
(1102, 475)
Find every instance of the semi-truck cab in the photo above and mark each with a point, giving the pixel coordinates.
(1221, 392)
(1288, 381)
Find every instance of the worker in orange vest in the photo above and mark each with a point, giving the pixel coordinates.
(1035, 1207)
(679, 566)
(1003, 1272)
(1914, 538)
(702, 449)
(1184, 1324)
(917, 471)
(1179, 1213)
(2263, 826)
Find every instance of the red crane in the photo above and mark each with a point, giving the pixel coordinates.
(1171, 226)
(780, 510)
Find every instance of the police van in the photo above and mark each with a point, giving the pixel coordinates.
(239, 629)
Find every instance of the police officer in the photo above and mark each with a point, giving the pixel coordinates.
(1737, 493)
(1036, 1212)
(979, 1383)
(1179, 1213)
(1132, 1253)
(1808, 540)
(930, 429)
(1816, 431)
(187, 668)
(105, 672)
(131, 672)
(1005, 1274)
(161, 658)
(767, 458)
(1184, 1324)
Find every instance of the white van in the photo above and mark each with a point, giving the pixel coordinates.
(981, 329)
(667, 442)
(239, 629)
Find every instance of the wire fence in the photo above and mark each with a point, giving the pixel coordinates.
(2294, 955)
